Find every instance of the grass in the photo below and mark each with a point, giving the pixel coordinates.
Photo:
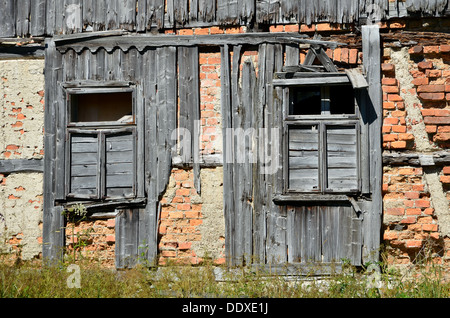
(31, 280)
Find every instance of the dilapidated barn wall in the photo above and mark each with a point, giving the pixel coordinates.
(46, 18)
(202, 61)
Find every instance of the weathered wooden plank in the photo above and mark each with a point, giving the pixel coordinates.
(109, 41)
(189, 95)
(22, 11)
(372, 219)
(37, 18)
(155, 13)
(206, 10)
(127, 233)
(126, 14)
(8, 23)
(21, 165)
(53, 221)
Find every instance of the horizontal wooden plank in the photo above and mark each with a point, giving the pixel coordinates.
(21, 165)
(305, 81)
(143, 41)
(306, 197)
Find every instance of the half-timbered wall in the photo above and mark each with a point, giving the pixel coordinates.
(219, 68)
(47, 17)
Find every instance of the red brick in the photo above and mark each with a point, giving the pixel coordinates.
(201, 31)
(399, 129)
(425, 65)
(431, 129)
(431, 88)
(445, 179)
(437, 120)
(353, 56)
(433, 73)
(216, 30)
(422, 203)
(184, 245)
(387, 67)
(389, 105)
(420, 81)
(394, 98)
(418, 49)
(415, 211)
(441, 137)
(431, 49)
(276, 28)
(409, 220)
(389, 81)
(445, 48)
(430, 227)
(390, 235)
(432, 96)
(413, 243)
(391, 89)
(395, 211)
(446, 170)
(390, 137)
(183, 207)
(186, 32)
(398, 144)
(291, 28)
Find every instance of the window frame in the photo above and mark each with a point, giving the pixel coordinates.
(102, 129)
(322, 121)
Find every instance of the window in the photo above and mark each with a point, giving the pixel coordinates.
(101, 143)
(322, 140)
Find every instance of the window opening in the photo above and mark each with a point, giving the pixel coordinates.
(322, 100)
(102, 107)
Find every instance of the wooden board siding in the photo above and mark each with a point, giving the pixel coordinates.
(165, 80)
(323, 234)
(50, 17)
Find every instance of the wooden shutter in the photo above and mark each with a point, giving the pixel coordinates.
(342, 158)
(82, 171)
(120, 164)
(101, 163)
(304, 158)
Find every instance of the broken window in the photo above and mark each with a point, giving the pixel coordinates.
(322, 140)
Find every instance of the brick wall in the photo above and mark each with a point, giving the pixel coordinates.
(416, 120)
(91, 240)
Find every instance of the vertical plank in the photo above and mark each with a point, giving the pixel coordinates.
(260, 204)
(141, 16)
(37, 14)
(23, 18)
(155, 13)
(8, 21)
(206, 10)
(225, 71)
(126, 14)
(53, 221)
(112, 17)
(372, 61)
(189, 95)
(127, 233)
(148, 219)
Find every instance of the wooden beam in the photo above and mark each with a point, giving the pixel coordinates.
(372, 66)
(142, 41)
(21, 165)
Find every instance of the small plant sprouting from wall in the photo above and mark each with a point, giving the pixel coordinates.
(75, 214)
